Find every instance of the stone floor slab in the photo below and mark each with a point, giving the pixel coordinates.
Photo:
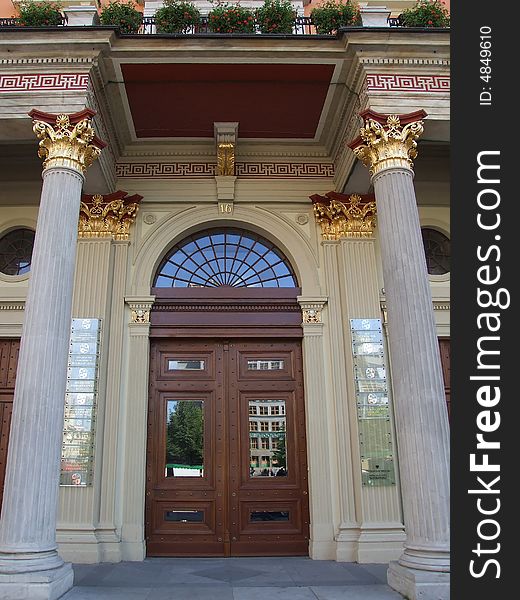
(355, 592)
(273, 593)
(191, 592)
(244, 578)
(106, 593)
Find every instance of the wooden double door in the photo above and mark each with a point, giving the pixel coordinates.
(226, 449)
(9, 350)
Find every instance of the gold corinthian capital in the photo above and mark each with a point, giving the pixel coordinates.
(66, 140)
(388, 141)
(108, 216)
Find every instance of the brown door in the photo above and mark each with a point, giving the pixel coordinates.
(226, 457)
(8, 362)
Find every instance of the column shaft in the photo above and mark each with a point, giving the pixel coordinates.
(421, 418)
(29, 519)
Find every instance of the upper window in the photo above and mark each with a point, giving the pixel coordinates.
(225, 257)
(437, 250)
(16, 248)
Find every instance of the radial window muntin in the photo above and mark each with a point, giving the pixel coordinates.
(225, 258)
(437, 250)
(16, 248)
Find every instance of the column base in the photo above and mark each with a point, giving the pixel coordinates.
(37, 585)
(418, 585)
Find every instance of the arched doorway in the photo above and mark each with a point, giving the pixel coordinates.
(226, 452)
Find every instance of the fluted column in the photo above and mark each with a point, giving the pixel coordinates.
(387, 146)
(30, 566)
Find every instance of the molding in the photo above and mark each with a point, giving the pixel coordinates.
(48, 61)
(425, 84)
(437, 305)
(12, 304)
(51, 82)
(156, 170)
(437, 62)
(241, 153)
(226, 307)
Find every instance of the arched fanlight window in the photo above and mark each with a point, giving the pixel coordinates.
(225, 257)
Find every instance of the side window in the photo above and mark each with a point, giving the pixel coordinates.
(437, 249)
(16, 248)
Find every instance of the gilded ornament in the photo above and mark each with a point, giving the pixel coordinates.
(385, 143)
(311, 315)
(226, 159)
(342, 216)
(108, 216)
(66, 143)
(140, 315)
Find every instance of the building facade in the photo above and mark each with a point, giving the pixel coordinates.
(255, 360)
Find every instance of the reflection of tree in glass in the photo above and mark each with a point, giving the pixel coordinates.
(280, 454)
(184, 445)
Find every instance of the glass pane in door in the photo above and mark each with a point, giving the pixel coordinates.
(184, 438)
(267, 438)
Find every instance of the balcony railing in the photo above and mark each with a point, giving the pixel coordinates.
(13, 22)
(302, 26)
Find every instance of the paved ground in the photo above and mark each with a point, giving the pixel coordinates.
(287, 578)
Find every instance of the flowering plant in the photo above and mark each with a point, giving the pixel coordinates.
(330, 15)
(124, 16)
(426, 13)
(177, 16)
(40, 14)
(276, 16)
(231, 18)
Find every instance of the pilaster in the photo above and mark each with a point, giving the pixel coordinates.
(88, 530)
(375, 532)
(319, 416)
(135, 417)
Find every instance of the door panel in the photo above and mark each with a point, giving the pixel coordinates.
(253, 421)
(171, 489)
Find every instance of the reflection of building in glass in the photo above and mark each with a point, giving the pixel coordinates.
(267, 442)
